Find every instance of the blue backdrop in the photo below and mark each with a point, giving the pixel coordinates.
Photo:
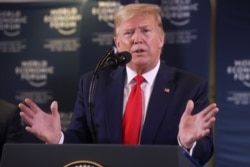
(232, 130)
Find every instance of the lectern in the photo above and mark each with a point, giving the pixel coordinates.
(94, 155)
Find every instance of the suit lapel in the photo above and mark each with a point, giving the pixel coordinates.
(114, 104)
(157, 107)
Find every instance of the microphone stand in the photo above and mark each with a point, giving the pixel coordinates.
(92, 91)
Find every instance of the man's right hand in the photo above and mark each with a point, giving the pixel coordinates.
(47, 127)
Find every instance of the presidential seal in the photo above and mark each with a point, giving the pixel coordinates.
(83, 163)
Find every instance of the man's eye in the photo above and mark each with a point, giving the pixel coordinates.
(128, 33)
(145, 30)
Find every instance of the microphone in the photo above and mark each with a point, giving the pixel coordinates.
(115, 60)
(111, 60)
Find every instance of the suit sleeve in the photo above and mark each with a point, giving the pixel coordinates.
(204, 148)
(78, 130)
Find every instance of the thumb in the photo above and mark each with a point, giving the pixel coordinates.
(54, 108)
(189, 107)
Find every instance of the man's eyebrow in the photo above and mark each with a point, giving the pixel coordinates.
(144, 26)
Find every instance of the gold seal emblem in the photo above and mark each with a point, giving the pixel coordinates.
(83, 163)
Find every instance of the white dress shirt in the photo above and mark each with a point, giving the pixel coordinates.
(146, 86)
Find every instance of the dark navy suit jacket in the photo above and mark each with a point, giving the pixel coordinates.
(10, 124)
(164, 111)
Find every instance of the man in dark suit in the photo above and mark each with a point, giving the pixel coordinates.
(175, 105)
(10, 124)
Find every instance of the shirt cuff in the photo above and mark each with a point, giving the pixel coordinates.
(190, 151)
(61, 139)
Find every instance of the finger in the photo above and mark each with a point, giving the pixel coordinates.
(209, 124)
(211, 113)
(209, 108)
(189, 107)
(205, 132)
(32, 105)
(54, 108)
(26, 110)
(27, 119)
(31, 130)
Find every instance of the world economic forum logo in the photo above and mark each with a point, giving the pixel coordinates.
(64, 20)
(35, 72)
(240, 71)
(105, 11)
(11, 22)
(178, 12)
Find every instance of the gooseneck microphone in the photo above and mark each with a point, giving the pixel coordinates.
(111, 60)
(115, 60)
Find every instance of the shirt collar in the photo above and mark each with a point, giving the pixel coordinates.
(149, 76)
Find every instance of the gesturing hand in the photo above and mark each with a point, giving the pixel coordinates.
(47, 127)
(194, 127)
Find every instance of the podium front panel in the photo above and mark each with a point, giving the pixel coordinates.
(93, 155)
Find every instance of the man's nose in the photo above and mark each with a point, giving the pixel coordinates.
(137, 37)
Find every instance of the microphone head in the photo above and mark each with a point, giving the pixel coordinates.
(115, 60)
(123, 58)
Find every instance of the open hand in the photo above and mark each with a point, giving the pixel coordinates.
(194, 127)
(47, 127)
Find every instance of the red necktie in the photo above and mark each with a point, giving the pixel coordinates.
(133, 114)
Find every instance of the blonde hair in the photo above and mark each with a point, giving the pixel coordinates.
(132, 10)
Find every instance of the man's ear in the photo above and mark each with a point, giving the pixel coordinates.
(162, 41)
(116, 42)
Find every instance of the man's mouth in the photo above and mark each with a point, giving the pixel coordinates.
(139, 51)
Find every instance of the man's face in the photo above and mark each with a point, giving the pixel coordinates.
(141, 36)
